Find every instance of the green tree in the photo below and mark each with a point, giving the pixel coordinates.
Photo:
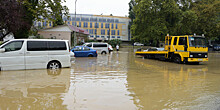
(38, 10)
(208, 23)
(155, 18)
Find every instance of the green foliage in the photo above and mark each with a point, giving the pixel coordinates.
(114, 42)
(18, 15)
(156, 18)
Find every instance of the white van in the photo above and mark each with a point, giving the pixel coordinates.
(20, 54)
(100, 47)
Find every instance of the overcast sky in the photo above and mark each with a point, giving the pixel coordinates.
(107, 7)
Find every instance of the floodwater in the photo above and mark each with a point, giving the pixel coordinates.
(117, 81)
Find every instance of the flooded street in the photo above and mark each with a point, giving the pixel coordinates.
(117, 81)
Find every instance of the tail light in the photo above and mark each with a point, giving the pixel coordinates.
(108, 48)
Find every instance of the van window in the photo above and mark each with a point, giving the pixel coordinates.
(36, 45)
(89, 45)
(99, 45)
(13, 46)
(57, 45)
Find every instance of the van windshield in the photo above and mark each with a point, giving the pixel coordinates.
(197, 42)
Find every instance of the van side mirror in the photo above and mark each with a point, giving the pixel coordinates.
(2, 50)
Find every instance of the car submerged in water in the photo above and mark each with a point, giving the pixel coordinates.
(84, 51)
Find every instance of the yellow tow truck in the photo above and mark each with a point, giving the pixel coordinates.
(180, 49)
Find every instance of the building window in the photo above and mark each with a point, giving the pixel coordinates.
(107, 25)
(103, 32)
(113, 36)
(85, 25)
(113, 32)
(93, 19)
(90, 25)
(116, 26)
(84, 19)
(77, 19)
(112, 26)
(68, 22)
(116, 21)
(119, 37)
(91, 31)
(103, 20)
(79, 24)
(73, 18)
(103, 36)
(91, 36)
(97, 36)
(108, 32)
(101, 25)
(95, 31)
(96, 25)
(118, 32)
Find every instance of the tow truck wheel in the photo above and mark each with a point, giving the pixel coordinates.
(177, 59)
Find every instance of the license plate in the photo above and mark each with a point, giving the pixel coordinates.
(200, 59)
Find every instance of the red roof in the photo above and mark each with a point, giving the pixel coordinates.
(77, 29)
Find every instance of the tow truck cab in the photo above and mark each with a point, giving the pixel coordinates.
(186, 48)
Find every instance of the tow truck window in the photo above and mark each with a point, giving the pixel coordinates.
(197, 42)
(175, 41)
(182, 41)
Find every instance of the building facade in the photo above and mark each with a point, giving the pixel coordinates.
(65, 32)
(100, 27)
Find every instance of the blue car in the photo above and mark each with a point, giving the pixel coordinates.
(84, 51)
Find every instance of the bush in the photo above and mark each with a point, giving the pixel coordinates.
(114, 42)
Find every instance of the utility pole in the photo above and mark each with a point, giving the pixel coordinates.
(109, 33)
(96, 26)
(75, 39)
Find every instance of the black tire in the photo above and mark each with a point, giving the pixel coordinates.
(177, 59)
(90, 56)
(54, 65)
(103, 52)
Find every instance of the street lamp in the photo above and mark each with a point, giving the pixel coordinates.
(75, 39)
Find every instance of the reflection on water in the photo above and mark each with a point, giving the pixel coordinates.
(116, 81)
(33, 89)
(166, 85)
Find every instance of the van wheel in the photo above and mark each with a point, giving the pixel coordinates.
(54, 65)
(104, 52)
(90, 56)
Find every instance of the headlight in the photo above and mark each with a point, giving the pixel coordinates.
(191, 56)
(206, 56)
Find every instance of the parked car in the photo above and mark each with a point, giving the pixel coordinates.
(216, 47)
(100, 47)
(20, 54)
(84, 51)
(110, 49)
(138, 44)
